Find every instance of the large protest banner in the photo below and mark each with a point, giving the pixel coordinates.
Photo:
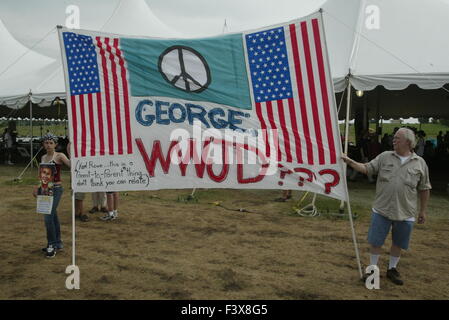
(246, 110)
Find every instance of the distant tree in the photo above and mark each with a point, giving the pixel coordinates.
(444, 122)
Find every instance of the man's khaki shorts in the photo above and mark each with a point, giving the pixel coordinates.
(80, 195)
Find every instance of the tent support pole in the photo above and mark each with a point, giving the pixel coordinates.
(31, 131)
(348, 109)
(378, 121)
(21, 174)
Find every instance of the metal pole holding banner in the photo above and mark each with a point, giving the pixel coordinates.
(348, 106)
(354, 239)
(73, 280)
(73, 229)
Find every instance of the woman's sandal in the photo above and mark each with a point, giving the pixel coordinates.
(93, 210)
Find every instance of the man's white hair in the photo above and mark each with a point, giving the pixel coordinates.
(410, 136)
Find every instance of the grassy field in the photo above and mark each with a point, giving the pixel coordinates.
(163, 248)
(59, 129)
(431, 129)
(23, 128)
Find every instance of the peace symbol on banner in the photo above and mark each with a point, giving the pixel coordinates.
(185, 69)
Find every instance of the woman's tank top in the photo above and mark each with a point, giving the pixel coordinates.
(57, 178)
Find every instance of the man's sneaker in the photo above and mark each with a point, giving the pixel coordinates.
(57, 249)
(51, 252)
(107, 217)
(114, 215)
(394, 276)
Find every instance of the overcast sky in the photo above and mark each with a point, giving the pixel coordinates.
(29, 20)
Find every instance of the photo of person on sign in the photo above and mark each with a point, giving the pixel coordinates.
(46, 177)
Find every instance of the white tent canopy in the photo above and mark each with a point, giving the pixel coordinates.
(13, 51)
(43, 76)
(21, 70)
(407, 48)
(144, 21)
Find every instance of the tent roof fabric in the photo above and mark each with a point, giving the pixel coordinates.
(44, 77)
(21, 70)
(144, 21)
(407, 48)
(15, 58)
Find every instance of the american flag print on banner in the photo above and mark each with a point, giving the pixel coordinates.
(264, 116)
(291, 92)
(99, 96)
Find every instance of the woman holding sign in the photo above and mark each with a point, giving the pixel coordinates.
(48, 160)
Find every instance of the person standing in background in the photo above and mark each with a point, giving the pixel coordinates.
(8, 139)
(98, 202)
(112, 201)
(420, 144)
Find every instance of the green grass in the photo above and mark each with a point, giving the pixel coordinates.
(361, 195)
(23, 128)
(431, 129)
(162, 249)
